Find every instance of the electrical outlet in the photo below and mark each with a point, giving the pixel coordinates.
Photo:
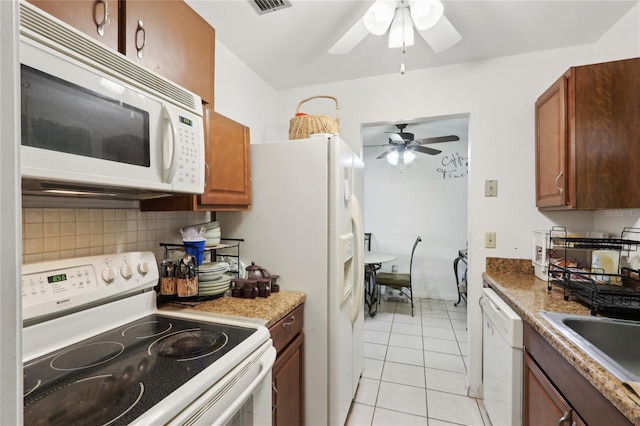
(490, 188)
(490, 240)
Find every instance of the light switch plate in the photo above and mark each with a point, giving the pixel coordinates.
(490, 188)
(490, 240)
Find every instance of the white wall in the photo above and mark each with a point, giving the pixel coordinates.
(499, 95)
(402, 202)
(240, 94)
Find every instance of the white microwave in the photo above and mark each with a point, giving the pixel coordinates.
(94, 122)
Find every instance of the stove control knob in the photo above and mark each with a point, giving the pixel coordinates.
(143, 268)
(126, 271)
(108, 275)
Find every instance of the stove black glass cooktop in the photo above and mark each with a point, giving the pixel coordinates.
(116, 376)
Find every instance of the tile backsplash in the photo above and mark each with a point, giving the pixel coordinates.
(53, 233)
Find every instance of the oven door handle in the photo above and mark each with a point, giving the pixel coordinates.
(266, 362)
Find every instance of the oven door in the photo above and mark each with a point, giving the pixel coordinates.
(242, 397)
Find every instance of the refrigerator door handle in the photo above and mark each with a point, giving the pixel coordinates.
(358, 231)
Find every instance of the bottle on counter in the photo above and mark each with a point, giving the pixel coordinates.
(237, 287)
(264, 287)
(275, 287)
(250, 289)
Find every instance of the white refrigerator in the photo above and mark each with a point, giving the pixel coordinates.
(305, 225)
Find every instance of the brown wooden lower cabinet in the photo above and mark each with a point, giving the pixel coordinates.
(555, 393)
(288, 370)
(543, 404)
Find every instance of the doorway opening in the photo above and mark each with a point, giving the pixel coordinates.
(427, 198)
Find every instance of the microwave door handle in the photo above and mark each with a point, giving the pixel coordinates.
(169, 147)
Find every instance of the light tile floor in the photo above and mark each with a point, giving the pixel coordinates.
(415, 368)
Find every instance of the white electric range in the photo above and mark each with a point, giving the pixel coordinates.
(96, 350)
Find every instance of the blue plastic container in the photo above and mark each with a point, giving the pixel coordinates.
(195, 249)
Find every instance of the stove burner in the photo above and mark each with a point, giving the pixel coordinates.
(28, 388)
(89, 401)
(148, 329)
(98, 382)
(191, 344)
(86, 356)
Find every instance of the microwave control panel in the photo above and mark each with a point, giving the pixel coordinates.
(188, 153)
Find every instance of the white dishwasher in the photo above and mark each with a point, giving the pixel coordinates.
(501, 360)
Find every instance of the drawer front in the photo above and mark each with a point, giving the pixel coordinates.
(287, 328)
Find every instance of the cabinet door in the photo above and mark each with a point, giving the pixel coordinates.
(543, 404)
(288, 385)
(606, 105)
(552, 172)
(88, 16)
(228, 163)
(171, 39)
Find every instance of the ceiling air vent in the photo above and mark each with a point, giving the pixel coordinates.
(266, 6)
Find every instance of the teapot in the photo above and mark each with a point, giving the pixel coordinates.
(254, 272)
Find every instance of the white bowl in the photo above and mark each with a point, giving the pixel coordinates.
(208, 225)
(212, 233)
(211, 242)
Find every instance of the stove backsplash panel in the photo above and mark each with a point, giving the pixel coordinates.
(54, 233)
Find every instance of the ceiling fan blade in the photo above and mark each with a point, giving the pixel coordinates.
(424, 149)
(395, 138)
(438, 139)
(350, 39)
(384, 154)
(441, 36)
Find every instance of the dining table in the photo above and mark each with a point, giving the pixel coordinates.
(373, 262)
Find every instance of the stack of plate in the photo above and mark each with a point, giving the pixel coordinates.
(215, 287)
(213, 279)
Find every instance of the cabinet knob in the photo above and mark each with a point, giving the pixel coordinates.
(566, 416)
(105, 18)
(206, 174)
(558, 177)
(287, 324)
(141, 30)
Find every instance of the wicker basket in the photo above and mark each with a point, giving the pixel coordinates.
(303, 125)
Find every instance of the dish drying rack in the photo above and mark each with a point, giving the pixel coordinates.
(570, 268)
(227, 251)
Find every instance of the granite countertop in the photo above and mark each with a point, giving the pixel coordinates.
(528, 295)
(270, 309)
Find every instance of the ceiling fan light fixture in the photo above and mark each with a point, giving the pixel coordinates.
(401, 32)
(379, 16)
(408, 157)
(393, 157)
(425, 13)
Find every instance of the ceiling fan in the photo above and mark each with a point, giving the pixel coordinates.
(401, 17)
(405, 144)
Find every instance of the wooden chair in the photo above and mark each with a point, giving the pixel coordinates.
(400, 281)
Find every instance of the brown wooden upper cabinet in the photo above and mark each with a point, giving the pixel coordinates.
(96, 18)
(228, 170)
(587, 138)
(167, 36)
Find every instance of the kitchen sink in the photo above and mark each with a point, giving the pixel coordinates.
(611, 342)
